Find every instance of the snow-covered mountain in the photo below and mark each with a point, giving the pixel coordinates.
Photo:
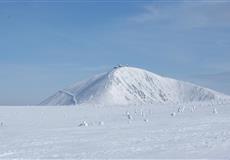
(213, 81)
(133, 86)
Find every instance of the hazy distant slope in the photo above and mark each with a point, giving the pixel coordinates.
(132, 86)
(218, 81)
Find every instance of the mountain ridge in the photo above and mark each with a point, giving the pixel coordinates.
(125, 85)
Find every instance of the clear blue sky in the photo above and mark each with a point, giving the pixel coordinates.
(48, 45)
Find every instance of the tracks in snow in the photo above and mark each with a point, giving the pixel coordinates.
(70, 94)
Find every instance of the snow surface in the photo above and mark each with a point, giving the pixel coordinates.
(133, 86)
(77, 132)
(124, 113)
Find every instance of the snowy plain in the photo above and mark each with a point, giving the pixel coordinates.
(156, 131)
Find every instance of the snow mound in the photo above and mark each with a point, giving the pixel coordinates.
(133, 86)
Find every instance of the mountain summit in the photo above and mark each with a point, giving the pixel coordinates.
(125, 85)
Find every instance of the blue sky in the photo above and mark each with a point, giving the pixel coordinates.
(48, 45)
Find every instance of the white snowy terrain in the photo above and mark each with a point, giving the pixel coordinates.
(133, 86)
(82, 132)
(127, 113)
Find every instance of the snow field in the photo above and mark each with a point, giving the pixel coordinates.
(151, 132)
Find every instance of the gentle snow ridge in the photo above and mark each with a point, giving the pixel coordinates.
(133, 86)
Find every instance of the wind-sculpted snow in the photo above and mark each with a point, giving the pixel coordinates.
(194, 131)
(133, 86)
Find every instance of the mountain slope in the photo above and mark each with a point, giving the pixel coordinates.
(217, 81)
(133, 86)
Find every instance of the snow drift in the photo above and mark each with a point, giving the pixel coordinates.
(133, 86)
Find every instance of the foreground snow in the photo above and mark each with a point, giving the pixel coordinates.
(115, 132)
